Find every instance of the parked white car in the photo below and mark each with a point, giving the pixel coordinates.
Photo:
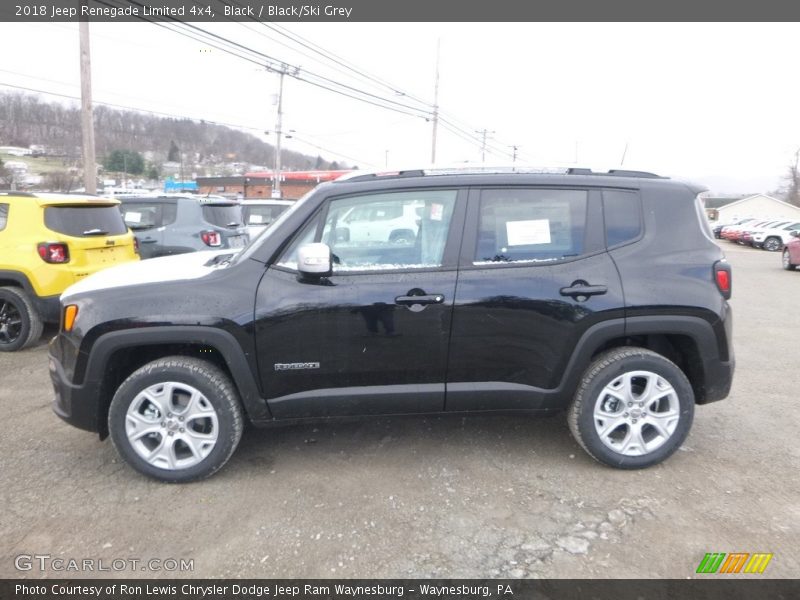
(776, 237)
(393, 222)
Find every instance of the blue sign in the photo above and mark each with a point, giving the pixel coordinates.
(180, 186)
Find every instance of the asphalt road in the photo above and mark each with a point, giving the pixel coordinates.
(425, 497)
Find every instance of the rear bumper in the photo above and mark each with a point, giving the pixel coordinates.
(48, 307)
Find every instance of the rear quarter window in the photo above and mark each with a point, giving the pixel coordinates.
(84, 220)
(623, 216)
(3, 216)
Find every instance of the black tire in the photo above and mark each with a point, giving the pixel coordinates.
(402, 236)
(609, 368)
(772, 244)
(786, 260)
(214, 389)
(20, 323)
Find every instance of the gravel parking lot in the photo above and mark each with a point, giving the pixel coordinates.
(426, 497)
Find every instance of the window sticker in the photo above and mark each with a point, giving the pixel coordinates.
(133, 217)
(528, 233)
(437, 212)
(256, 219)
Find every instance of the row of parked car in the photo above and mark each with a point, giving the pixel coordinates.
(51, 241)
(772, 235)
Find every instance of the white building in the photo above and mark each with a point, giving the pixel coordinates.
(760, 205)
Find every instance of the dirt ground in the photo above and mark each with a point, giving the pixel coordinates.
(425, 497)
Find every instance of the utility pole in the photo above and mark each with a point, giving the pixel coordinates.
(435, 103)
(276, 173)
(484, 133)
(87, 119)
(514, 156)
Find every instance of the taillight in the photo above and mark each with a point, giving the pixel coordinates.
(136, 244)
(53, 253)
(723, 277)
(211, 238)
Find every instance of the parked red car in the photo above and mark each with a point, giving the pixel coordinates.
(728, 232)
(791, 252)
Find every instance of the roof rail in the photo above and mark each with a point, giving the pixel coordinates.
(615, 173)
(356, 176)
(15, 193)
(485, 170)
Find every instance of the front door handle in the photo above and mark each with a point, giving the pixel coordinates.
(423, 299)
(581, 290)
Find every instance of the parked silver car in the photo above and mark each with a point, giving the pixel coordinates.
(176, 224)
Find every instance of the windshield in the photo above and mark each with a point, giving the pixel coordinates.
(256, 242)
(85, 220)
(223, 215)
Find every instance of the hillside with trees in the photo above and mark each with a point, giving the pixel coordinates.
(27, 120)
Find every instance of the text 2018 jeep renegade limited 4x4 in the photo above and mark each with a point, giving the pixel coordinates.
(602, 295)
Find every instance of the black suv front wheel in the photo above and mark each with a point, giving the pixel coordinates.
(176, 419)
(633, 409)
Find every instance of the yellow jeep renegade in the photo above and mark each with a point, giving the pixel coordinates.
(47, 243)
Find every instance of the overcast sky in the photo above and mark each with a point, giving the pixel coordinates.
(715, 103)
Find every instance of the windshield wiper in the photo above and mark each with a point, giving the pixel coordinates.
(95, 232)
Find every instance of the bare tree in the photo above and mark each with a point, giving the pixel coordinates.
(59, 181)
(790, 192)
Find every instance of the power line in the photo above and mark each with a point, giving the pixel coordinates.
(174, 116)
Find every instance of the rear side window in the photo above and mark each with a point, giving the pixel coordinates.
(3, 216)
(84, 220)
(531, 225)
(623, 216)
(147, 215)
(223, 215)
(262, 214)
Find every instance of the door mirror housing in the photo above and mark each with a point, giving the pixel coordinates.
(314, 260)
(795, 233)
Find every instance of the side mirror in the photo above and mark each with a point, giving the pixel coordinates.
(314, 260)
(795, 233)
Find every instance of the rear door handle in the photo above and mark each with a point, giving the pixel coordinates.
(581, 289)
(424, 299)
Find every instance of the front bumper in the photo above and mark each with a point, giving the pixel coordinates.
(76, 404)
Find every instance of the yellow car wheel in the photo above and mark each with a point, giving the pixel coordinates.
(20, 324)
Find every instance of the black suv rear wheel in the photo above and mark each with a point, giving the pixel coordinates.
(633, 409)
(20, 324)
(176, 419)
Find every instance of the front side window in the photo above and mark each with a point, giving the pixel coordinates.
(398, 230)
(530, 225)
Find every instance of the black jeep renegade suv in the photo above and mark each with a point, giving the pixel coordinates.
(600, 294)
